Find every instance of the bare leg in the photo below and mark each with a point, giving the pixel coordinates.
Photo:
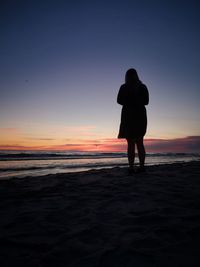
(141, 151)
(131, 152)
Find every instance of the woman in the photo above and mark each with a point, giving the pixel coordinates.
(133, 96)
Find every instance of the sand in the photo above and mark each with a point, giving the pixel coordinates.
(103, 218)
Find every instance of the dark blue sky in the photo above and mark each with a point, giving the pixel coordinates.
(62, 63)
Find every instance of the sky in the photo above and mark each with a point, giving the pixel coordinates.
(62, 64)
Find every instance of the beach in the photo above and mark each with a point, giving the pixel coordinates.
(102, 218)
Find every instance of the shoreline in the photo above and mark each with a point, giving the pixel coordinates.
(82, 169)
(21, 166)
(103, 218)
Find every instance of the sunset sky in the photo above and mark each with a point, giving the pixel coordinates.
(62, 63)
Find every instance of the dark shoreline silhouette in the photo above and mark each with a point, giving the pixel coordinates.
(102, 218)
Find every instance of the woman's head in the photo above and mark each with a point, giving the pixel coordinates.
(131, 76)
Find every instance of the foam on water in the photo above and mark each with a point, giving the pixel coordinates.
(33, 163)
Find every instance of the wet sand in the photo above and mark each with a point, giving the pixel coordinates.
(103, 218)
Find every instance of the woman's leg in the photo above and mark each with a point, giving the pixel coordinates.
(141, 151)
(131, 152)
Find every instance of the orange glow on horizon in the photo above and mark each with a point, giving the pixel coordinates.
(187, 144)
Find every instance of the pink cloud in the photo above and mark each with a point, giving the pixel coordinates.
(186, 144)
(8, 129)
(19, 147)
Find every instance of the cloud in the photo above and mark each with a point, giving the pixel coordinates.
(186, 144)
(19, 147)
(40, 139)
(190, 144)
(76, 147)
(9, 129)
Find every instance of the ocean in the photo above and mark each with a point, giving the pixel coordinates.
(20, 164)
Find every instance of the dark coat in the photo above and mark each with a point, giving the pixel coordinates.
(133, 98)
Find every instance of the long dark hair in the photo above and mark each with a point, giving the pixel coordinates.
(131, 77)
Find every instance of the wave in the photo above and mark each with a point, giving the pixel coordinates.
(61, 166)
(57, 155)
(21, 165)
(172, 154)
(17, 156)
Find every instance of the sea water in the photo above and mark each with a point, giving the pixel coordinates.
(20, 164)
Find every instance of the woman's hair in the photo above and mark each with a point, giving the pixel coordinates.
(131, 76)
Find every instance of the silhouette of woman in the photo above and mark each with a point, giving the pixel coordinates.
(133, 96)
